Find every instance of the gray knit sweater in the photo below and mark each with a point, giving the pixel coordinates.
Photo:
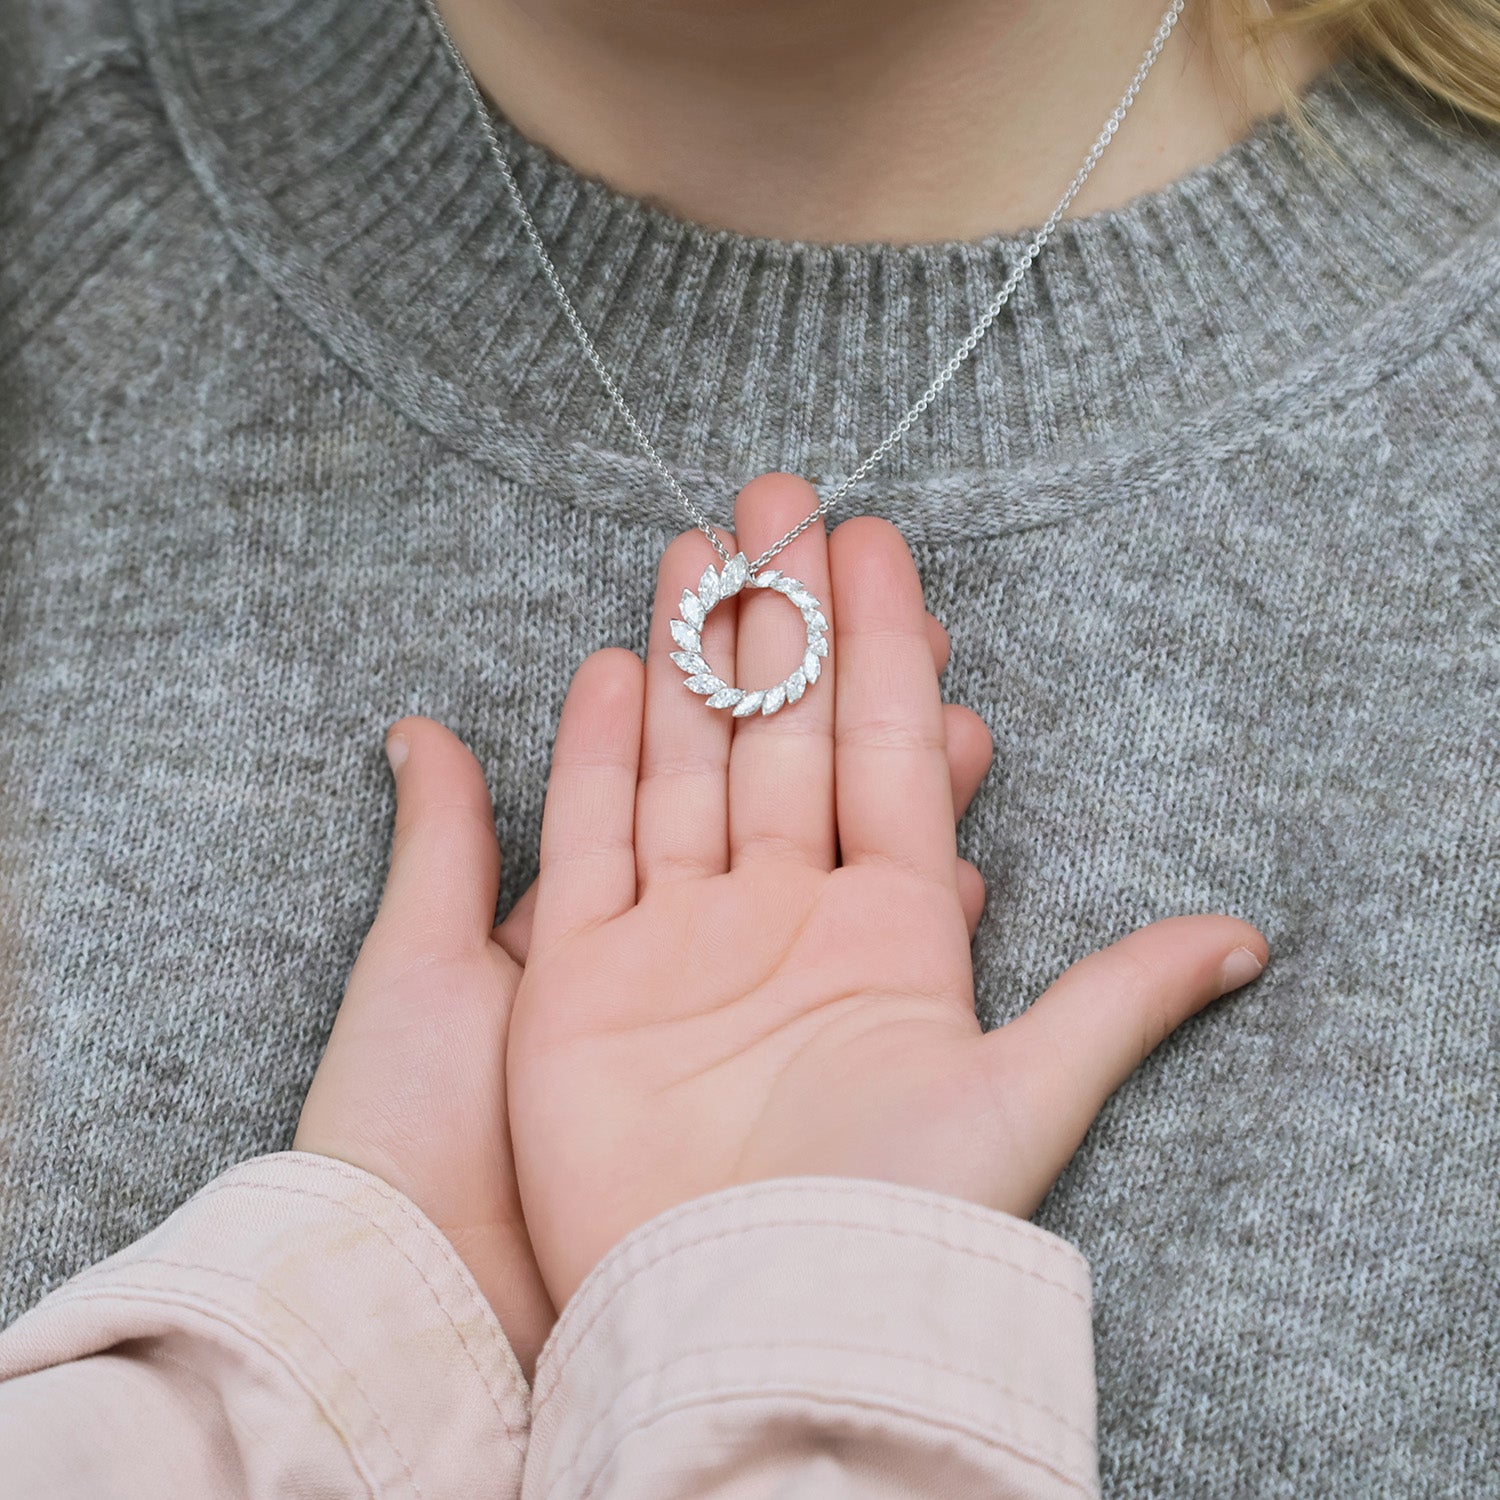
(293, 440)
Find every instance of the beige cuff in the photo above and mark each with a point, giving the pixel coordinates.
(859, 1337)
(310, 1309)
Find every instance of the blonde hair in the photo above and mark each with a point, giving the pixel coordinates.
(1449, 50)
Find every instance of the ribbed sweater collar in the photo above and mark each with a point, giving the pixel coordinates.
(339, 148)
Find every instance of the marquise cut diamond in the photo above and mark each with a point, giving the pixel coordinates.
(717, 585)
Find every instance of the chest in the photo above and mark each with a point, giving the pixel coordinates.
(1268, 689)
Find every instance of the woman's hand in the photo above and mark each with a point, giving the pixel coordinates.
(412, 1084)
(750, 951)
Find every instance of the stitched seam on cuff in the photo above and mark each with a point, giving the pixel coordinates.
(890, 1403)
(253, 1337)
(826, 1346)
(544, 1391)
(429, 1232)
(266, 1294)
(991, 1221)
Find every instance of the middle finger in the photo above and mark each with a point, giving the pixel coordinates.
(781, 803)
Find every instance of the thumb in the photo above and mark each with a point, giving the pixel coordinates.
(1098, 1022)
(444, 877)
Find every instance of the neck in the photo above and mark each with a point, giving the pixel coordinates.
(858, 120)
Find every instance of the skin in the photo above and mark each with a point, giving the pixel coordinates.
(412, 1086)
(747, 954)
(819, 1014)
(856, 120)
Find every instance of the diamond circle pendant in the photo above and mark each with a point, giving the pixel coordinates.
(715, 587)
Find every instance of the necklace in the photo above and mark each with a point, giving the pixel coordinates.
(738, 572)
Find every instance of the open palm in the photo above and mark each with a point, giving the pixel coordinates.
(750, 951)
(413, 1084)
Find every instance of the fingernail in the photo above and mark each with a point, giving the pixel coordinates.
(1239, 968)
(395, 750)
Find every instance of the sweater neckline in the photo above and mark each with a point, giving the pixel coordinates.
(340, 150)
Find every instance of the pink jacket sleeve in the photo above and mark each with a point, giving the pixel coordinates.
(299, 1328)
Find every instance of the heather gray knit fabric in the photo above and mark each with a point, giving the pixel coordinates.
(293, 440)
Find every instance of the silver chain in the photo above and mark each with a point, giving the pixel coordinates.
(964, 350)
